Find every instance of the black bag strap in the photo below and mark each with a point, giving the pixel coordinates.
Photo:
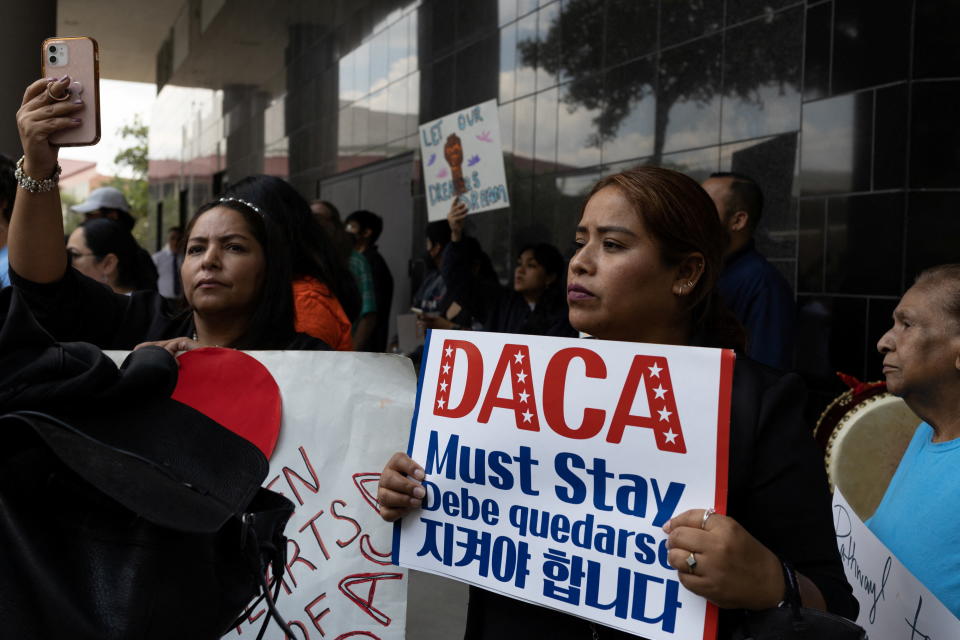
(263, 545)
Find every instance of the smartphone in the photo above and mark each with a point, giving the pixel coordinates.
(78, 58)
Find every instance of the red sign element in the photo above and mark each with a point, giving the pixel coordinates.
(515, 357)
(233, 389)
(653, 371)
(663, 419)
(363, 482)
(366, 603)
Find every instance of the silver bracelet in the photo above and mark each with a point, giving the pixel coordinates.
(33, 185)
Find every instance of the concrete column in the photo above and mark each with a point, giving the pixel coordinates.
(23, 27)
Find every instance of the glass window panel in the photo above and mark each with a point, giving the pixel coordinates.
(508, 62)
(398, 49)
(578, 143)
(524, 119)
(379, 62)
(761, 77)
(506, 11)
(526, 80)
(629, 121)
(548, 45)
(689, 89)
(546, 131)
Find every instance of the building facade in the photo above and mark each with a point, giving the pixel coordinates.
(841, 110)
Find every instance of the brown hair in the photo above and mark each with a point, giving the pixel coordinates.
(947, 278)
(681, 219)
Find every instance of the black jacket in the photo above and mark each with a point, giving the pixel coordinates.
(79, 309)
(777, 491)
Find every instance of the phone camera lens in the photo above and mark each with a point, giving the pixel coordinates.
(53, 59)
(53, 49)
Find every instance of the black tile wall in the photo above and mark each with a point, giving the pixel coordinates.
(870, 44)
(740, 10)
(864, 244)
(810, 261)
(631, 29)
(936, 54)
(816, 80)
(933, 231)
(890, 137)
(935, 136)
(682, 20)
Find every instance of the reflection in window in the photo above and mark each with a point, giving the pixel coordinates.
(379, 91)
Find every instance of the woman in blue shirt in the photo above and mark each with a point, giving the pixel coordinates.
(917, 517)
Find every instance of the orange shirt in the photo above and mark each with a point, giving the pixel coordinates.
(319, 314)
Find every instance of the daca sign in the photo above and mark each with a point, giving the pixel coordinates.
(552, 464)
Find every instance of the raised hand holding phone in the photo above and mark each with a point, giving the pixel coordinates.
(78, 60)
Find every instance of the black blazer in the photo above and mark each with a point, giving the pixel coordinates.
(79, 309)
(777, 490)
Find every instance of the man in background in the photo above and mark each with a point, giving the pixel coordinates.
(757, 294)
(8, 191)
(168, 261)
(365, 227)
(107, 202)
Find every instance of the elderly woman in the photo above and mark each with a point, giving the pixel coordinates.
(922, 365)
(649, 251)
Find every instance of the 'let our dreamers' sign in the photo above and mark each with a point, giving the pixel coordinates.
(552, 464)
(462, 157)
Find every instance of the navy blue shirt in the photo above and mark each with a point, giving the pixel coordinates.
(760, 297)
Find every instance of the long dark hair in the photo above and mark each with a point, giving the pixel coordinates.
(135, 271)
(681, 219)
(309, 249)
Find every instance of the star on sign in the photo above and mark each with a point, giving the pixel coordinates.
(446, 368)
(659, 391)
(448, 351)
(671, 437)
(526, 415)
(440, 403)
(523, 396)
(518, 357)
(521, 377)
(664, 414)
(655, 371)
(443, 386)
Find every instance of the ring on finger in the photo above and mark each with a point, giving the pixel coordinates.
(66, 94)
(706, 515)
(692, 562)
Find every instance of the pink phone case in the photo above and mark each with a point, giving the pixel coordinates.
(83, 67)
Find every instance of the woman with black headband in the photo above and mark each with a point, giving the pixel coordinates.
(237, 284)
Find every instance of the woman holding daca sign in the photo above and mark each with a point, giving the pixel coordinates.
(236, 275)
(649, 251)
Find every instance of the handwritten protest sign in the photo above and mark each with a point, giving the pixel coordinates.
(462, 156)
(552, 464)
(344, 414)
(894, 605)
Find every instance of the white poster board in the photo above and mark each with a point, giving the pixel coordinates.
(462, 155)
(552, 464)
(894, 605)
(344, 414)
